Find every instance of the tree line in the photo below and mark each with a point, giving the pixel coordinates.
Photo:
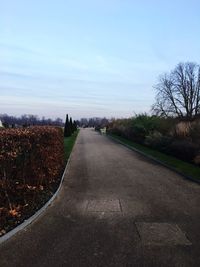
(177, 95)
(28, 120)
(92, 122)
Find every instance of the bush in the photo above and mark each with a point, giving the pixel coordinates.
(138, 133)
(168, 135)
(195, 132)
(183, 149)
(157, 141)
(137, 128)
(31, 163)
(34, 154)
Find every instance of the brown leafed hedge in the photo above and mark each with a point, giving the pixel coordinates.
(34, 155)
(31, 161)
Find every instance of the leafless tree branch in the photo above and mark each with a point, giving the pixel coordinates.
(178, 93)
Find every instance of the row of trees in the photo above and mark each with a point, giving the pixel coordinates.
(28, 120)
(92, 122)
(70, 126)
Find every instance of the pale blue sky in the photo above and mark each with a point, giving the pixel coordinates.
(91, 57)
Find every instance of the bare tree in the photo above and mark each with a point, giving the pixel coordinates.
(28, 120)
(178, 93)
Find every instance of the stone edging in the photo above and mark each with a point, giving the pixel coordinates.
(24, 224)
(156, 160)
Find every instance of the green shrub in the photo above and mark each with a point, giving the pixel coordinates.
(138, 133)
(160, 133)
(157, 141)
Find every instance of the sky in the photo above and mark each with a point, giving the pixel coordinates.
(91, 58)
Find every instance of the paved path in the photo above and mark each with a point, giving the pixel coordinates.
(115, 208)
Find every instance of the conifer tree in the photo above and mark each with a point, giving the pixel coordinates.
(67, 129)
(75, 126)
(71, 125)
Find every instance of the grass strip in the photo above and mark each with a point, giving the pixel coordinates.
(183, 167)
(69, 143)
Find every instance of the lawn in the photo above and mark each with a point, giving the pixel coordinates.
(186, 168)
(69, 143)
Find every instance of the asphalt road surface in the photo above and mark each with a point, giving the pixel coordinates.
(115, 208)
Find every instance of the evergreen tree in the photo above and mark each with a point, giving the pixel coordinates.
(74, 126)
(67, 129)
(71, 125)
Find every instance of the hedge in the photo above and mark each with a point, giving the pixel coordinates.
(164, 135)
(31, 160)
(33, 154)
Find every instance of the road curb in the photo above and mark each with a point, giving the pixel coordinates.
(156, 160)
(30, 220)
